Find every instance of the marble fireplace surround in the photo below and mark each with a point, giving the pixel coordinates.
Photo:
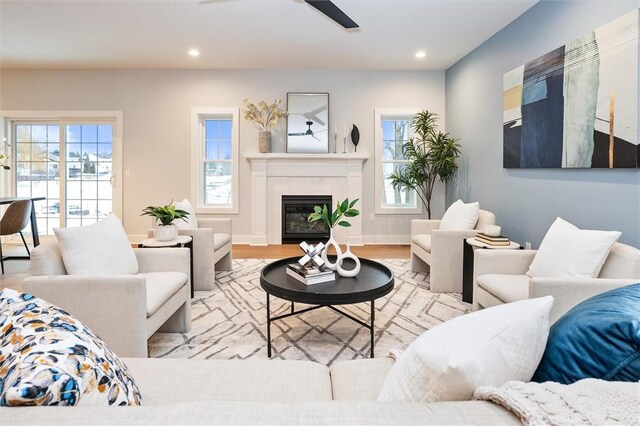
(277, 174)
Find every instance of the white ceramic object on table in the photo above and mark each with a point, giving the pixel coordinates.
(348, 272)
(492, 230)
(331, 243)
(165, 232)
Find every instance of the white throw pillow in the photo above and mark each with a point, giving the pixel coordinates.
(99, 249)
(192, 221)
(567, 251)
(460, 216)
(483, 348)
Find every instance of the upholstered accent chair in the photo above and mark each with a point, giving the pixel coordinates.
(439, 251)
(211, 250)
(124, 310)
(500, 277)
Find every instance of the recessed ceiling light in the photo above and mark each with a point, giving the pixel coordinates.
(421, 54)
(194, 52)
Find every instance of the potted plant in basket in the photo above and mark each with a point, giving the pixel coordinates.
(431, 154)
(266, 116)
(344, 209)
(165, 229)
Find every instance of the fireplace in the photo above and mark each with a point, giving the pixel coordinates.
(295, 211)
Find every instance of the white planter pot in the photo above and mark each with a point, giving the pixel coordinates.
(165, 232)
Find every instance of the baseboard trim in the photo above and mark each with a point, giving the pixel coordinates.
(387, 239)
(251, 240)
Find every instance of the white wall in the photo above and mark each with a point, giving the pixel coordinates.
(156, 108)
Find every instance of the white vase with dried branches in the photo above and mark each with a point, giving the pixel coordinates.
(265, 116)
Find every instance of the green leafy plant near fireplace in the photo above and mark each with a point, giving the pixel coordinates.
(344, 208)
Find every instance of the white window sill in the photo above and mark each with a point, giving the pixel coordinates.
(398, 210)
(216, 210)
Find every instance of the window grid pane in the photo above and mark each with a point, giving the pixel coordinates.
(37, 170)
(89, 168)
(217, 163)
(395, 133)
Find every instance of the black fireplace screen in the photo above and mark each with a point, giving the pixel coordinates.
(295, 211)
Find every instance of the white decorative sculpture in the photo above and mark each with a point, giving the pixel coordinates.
(312, 254)
(348, 255)
(325, 252)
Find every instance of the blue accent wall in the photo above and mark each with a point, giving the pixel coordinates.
(527, 201)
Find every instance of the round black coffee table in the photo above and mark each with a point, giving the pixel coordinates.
(374, 281)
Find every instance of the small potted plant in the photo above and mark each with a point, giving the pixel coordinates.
(165, 229)
(266, 116)
(343, 210)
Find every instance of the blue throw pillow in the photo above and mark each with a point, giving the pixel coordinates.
(599, 338)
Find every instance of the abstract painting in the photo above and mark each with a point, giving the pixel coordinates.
(576, 106)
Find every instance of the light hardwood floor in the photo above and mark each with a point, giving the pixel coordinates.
(242, 251)
(18, 270)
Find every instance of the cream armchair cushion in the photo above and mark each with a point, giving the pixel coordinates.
(124, 310)
(191, 220)
(567, 251)
(500, 277)
(99, 249)
(439, 251)
(460, 216)
(211, 249)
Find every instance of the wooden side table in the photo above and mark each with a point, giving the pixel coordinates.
(179, 241)
(470, 244)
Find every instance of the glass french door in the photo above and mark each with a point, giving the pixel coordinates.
(69, 163)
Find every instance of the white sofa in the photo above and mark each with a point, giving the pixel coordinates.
(211, 250)
(248, 392)
(440, 251)
(187, 392)
(124, 310)
(499, 276)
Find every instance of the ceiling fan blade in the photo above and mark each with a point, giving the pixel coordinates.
(332, 11)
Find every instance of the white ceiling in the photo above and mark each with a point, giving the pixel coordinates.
(246, 34)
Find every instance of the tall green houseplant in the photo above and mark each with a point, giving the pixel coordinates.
(431, 154)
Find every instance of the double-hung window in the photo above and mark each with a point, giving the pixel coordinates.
(392, 131)
(215, 160)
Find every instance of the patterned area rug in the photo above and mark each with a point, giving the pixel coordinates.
(230, 321)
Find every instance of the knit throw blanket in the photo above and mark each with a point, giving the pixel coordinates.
(586, 402)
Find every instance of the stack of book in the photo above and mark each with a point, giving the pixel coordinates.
(310, 274)
(492, 241)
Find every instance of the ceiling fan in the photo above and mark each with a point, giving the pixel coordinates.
(308, 132)
(332, 11)
(313, 114)
(326, 7)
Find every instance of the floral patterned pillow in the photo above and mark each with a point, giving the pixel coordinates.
(47, 357)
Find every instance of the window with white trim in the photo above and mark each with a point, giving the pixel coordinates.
(215, 160)
(392, 131)
(70, 163)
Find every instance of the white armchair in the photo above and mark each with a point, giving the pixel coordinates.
(211, 250)
(439, 251)
(123, 310)
(500, 277)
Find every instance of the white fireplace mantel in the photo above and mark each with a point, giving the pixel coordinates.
(277, 174)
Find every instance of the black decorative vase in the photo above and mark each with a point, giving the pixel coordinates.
(355, 137)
